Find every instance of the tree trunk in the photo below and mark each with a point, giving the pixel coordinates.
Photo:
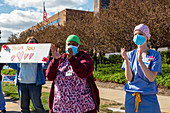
(100, 58)
(95, 57)
(91, 52)
(156, 48)
(104, 58)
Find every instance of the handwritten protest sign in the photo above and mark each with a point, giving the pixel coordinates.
(24, 53)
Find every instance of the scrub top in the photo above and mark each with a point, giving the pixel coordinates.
(139, 82)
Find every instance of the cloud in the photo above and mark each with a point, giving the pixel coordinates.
(80, 8)
(18, 21)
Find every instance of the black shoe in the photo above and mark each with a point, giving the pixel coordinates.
(3, 111)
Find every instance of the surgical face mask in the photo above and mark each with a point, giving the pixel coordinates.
(139, 39)
(74, 49)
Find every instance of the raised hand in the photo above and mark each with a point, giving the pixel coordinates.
(54, 53)
(123, 53)
(139, 53)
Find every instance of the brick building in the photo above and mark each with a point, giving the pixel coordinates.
(61, 18)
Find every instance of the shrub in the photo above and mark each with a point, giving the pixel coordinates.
(8, 71)
(165, 55)
(114, 73)
(164, 79)
(104, 60)
(113, 59)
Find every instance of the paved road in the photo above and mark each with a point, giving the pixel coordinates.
(105, 93)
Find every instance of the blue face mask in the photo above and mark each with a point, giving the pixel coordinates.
(139, 39)
(74, 49)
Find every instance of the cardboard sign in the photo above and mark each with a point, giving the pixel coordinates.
(24, 53)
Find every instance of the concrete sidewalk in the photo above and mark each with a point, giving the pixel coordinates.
(12, 106)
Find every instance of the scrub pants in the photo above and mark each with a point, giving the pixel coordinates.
(148, 104)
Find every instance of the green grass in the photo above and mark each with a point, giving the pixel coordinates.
(110, 72)
(10, 90)
(44, 99)
(105, 104)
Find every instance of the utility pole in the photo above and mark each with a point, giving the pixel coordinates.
(0, 34)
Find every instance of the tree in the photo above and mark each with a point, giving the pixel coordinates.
(13, 39)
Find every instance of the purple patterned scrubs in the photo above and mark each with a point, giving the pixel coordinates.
(72, 94)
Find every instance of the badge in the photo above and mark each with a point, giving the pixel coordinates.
(69, 72)
(146, 61)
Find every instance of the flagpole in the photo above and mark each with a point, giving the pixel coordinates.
(43, 12)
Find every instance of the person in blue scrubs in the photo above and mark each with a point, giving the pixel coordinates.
(2, 99)
(141, 67)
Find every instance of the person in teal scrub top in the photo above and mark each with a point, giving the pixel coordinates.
(141, 67)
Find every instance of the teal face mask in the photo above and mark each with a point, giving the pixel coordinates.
(139, 39)
(74, 49)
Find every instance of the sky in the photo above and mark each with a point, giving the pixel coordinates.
(18, 15)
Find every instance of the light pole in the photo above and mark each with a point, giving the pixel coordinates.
(0, 34)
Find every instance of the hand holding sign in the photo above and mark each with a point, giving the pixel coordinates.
(25, 53)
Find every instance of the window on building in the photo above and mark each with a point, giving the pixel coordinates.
(105, 3)
(55, 22)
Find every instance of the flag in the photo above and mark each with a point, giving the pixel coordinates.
(45, 14)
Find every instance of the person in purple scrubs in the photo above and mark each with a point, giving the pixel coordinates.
(141, 67)
(73, 88)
